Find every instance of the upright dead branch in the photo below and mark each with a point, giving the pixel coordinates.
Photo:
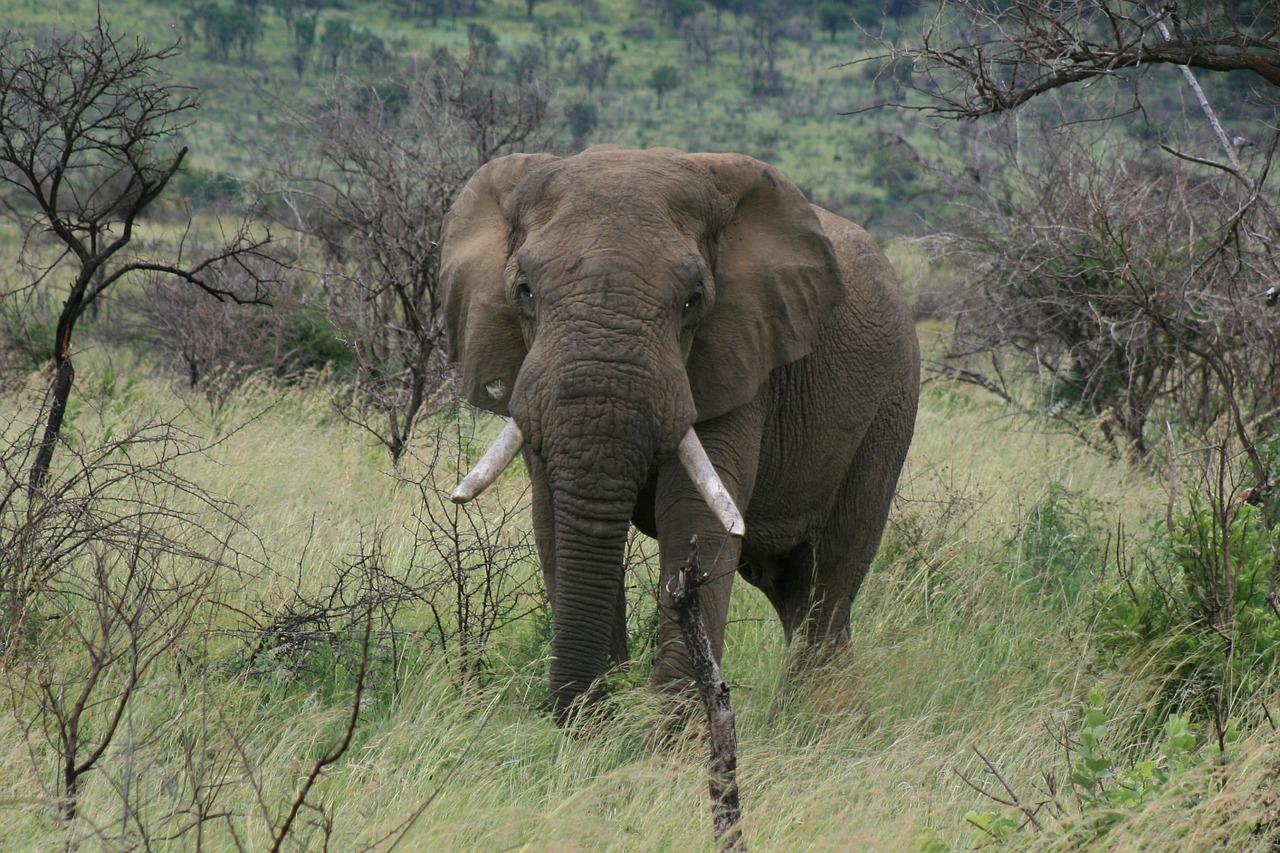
(715, 699)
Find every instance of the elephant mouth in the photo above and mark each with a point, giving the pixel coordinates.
(690, 452)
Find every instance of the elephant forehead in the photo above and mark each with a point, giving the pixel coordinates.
(630, 192)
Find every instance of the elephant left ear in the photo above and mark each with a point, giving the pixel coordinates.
(777, 281)
(482, 329)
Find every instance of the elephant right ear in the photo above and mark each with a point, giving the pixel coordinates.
(482, 327)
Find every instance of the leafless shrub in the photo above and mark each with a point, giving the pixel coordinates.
(475, 558)
(1134, 288)
(726, 809)
(216, 345)
(315, 633)
(388, 158)
(925, 535)
(303, 822)
(102, 572)
(468, 575)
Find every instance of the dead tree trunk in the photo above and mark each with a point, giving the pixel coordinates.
(715, 699)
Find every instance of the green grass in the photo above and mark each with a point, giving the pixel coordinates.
(952, 652)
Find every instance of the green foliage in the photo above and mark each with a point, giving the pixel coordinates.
(1198, 611)
(663, 79)
(225, 27)
(583, 117)
(1105, 787)
(835, 16)
(313, 341)
(26, 332)
(1057, 546)
(987, 826)
(206, 187)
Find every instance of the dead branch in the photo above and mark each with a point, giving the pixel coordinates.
(715, 699)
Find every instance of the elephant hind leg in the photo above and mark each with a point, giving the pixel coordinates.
(786, 582)
(849, 540)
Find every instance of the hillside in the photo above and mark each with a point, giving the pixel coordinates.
(770, 85)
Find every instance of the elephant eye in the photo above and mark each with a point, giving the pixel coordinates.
(524, 294)
(694, 303)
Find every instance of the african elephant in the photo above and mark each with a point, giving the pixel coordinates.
(684, 342)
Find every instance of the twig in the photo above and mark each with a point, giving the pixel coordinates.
(715, 699)
(318, 768)
(1014, 800)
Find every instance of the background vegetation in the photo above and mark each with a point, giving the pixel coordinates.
(239, 612)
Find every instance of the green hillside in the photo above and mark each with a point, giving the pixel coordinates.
(246, 66)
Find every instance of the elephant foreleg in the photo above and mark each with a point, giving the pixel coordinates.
(732, 443)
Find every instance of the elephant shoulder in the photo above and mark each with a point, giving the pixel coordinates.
(869, 278)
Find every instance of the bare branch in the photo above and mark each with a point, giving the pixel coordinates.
(977, 59)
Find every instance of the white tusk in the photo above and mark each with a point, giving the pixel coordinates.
(709, 484)
(494, 462)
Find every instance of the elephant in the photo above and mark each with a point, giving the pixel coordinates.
(683, 342)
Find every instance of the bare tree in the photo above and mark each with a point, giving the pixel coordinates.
(84, 123)
(390, 156)
(1134, 281)
(977, 58)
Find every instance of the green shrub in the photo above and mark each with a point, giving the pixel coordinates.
(1105, 786)
(1199, 610)
(1056, 546)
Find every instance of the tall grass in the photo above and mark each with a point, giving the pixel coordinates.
(957, 650)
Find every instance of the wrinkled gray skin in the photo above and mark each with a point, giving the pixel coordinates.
(609, 300)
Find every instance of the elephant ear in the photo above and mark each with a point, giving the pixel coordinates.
(483, 328)
(776, 279)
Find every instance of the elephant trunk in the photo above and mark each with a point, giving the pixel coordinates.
(598, 453)
(590, 536)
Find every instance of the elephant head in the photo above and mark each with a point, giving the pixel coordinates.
(607, 302)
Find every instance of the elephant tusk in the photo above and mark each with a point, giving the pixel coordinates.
(494, 462)
(709, 484)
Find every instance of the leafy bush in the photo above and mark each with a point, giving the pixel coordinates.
(1056, 546)
(1104, 788)
(1200, 608)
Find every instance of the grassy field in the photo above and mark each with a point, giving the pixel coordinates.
(972, 639)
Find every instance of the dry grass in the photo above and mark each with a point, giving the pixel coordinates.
(953, 651)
